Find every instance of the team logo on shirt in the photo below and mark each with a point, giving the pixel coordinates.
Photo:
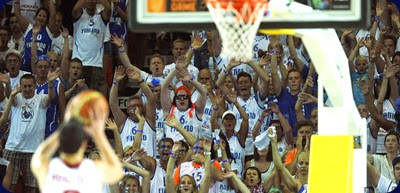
(27, 113)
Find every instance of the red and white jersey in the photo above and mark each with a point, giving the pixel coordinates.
(188, 119)
(85, 178)
(128, 133)
(158, 182)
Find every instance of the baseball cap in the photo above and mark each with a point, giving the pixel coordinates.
(227, 113)
(395, 161)
(41, 58)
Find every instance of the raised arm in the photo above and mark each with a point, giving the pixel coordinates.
(139, 132)
(170, 185)
(52, 18)
(7, 110)
(144, 87)
(166, 101)
(274, 73)
(239, 185)
(119, 116)
(284, 123)
(293, 55)
(61, 101)
(77, 10)
(51, 76)
(123, 56)
(174, 123)
(35, 32)
(258, 124)
(286, 175)
(146, 176)
(373, 175)
(147, 162)
(66, 55)
(195, 45)
(225, 72)
(110, 124)
(109, 164)
(264, 88)
(42, 156)
(23, 23)
(5, 79)
(121, 12)
(244, 125)
(269, 182)
(206, 181)
(390, 75)
(106, 13)
(354, 54)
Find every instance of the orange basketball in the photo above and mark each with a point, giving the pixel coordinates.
(80, 105)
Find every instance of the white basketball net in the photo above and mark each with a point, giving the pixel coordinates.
(237, 35)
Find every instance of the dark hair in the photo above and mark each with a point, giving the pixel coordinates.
(294, 70)
(388, 90)
(72, 136)
(395, 54)
(27, 76)
(304, 123)
(6, 28)
(77, 60)
(269, 153)
(184, 144)
(7, 23)
(392, 132)
(45, 10)
(392, 37)
(276, 121)
(252, 168)
(165, 139)
(244, 74)
(135, 96)
(227, 148)
(13, 54)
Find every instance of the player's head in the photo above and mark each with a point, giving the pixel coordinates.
(156, 65)
(183, 98)
(59, 20)
(165, 147)
(178, 48)
(392, 141)
(265, 153)
(72, 137)
(5, 35)
(134, 102)
(75, 68)
(187, 184)
(28, 85)
(245, 84)
(42, 16)
(252, 176)
(396, 61)
(13, 23)
(131, 184)
(294, 79)
(156, 89)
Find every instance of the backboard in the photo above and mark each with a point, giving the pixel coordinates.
(179, 15)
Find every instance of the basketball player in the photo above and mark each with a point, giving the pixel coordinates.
(128, 123)
(71, 172)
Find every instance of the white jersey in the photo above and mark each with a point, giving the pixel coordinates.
(89, 34)
(85, 178)
(385, 185)
(160, 128)
(17, 44)
(238, 152)
(388, 113)
(14, 82)
(371, 141)
(193, 71)
(253, 107)
(57, 44)
(27, 123)
(281, 146)
(260, 42)
(128, 133)
(188, 119)
(205, 132)
(148, 77)
(196, 173)
(158, 182)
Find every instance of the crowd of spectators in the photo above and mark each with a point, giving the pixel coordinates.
(196, 124)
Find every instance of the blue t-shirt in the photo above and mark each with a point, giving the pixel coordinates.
(44, 40)
(53, 111)
(286, 103)
(357, 93)
(117, 24)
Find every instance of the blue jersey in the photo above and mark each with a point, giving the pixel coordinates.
(53, 111)
(44, 40)
(116, 24)
(286, 103)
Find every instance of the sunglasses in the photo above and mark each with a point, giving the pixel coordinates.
(182, 97)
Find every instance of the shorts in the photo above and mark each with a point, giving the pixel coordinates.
(21, 161)
(93, 77)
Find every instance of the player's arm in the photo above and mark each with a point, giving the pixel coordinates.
(106, 13)
(287, 129)
(196, 44)
(121, 12)
(354, 54)
(42, 156)
(390, 75)
(258, 124)
(202, 99)
(51, 76)
(23, 23)
(52, 18)
(147, 162)
(123, 56)
(77, 10)
(238, 183)
(146, 176)
(7, 110)
(109, 164)
(174, 123)
(110, 124)
(269, 182)
(119, 116)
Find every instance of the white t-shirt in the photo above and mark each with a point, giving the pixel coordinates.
(385, 185)
(58, 44)
(29, 8)
(27, 123)
(128, 134)
(85, 178)
(14, 82)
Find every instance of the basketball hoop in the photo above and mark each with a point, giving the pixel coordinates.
(237, 22)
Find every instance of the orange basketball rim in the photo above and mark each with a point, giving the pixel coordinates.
(245, 10)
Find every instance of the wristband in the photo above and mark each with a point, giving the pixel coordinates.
(131, 158)
(115, 83)
(139, 131)
(191, 80)
(140, 82)
(121, 51)
(191, 47)
(259, 120)
(173, 155)
(207, 153)
(227, 160)
(216, 109)
(226, 72)
(377, 18)
(273, 51)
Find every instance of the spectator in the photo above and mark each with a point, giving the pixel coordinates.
(117, 25)
(30, 7)
(45, 20)
(90, 28)
(4, 39)
(58, 39)
(380, 182)
(17, 36)
(27, 127)
(13, 65)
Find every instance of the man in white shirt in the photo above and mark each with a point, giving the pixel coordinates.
(13, 65)
(27, 127)
(381, 183)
